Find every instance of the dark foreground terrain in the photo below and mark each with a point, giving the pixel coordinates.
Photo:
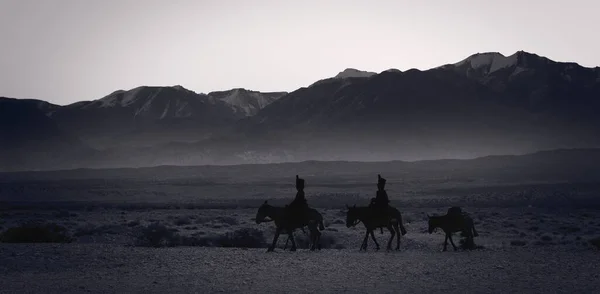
(117, 269)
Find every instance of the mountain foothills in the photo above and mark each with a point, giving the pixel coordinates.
(485, 104)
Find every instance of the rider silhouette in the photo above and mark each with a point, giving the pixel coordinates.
(456, 215)
(381, 201)
(299, 205)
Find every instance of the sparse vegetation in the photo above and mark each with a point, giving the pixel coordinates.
(518, 243)
(156, 235)
(339, 222)
(34, 232)
(90, 230)
(133, 223)
(183, 220)
(232, 221)
(64, 214)
(243, 238)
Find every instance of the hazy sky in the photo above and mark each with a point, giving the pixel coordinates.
(65, 51)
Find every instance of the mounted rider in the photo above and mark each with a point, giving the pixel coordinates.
(380, 204)
(298, 207)
(456, 215)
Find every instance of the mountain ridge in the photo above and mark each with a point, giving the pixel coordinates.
(487, 103)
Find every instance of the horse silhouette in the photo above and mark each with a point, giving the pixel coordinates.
(284, 224)
(371, 221)
(452, 223)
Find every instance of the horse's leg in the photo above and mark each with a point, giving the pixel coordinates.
(291, 236)
(277, 232)
(475, 234)
(318, 234)
(391, 229)
(374, 240)
(364, 243)
(401, 224)
(286, 242)
(452, 242)
(313, 236)
(470, 242)
(445, 242)
(316, 237)
(319, 240)
(397, 237)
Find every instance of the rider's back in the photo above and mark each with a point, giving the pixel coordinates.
(299, 206)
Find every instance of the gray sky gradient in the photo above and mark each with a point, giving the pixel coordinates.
(64, 51)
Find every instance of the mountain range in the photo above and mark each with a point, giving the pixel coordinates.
(485, 104)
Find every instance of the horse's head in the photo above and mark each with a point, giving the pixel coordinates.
(351, 216)
(262, 213)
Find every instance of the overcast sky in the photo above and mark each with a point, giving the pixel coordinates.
(64, 51)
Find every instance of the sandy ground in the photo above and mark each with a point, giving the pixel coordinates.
(536, 237)
(93, 268)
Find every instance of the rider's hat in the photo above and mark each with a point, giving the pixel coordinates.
(380, 182)
(299, 183)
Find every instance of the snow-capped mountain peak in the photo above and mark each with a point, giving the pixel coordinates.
(245, 102)
(489, 62)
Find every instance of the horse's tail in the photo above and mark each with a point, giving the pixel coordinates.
(475, 234)
(400, 222)
(402, 229)
(319, 218)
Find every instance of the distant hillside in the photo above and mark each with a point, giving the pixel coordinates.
(486, 104)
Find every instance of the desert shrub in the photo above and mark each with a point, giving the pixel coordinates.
(64, 214)
(518, 243)
(232, 221)
(302, 240)
(133, 223)
(243, 238)
(572, 229)
(194, 240)
(203, 220)
(89, 230)
(36, 233)
(328, 241)
(182, 221)
(508, 225)
(339, 222)
(157, 235)
(595, 242)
